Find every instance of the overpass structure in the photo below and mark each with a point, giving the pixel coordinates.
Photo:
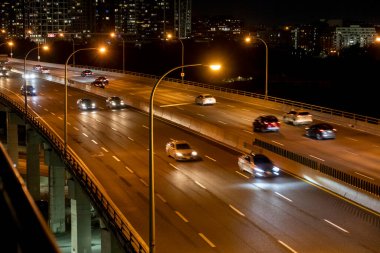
(342, 181)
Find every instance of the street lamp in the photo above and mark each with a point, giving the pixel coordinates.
(25, 77)
(114, 35)
(152, 218)
(248, 40)
(169, 36)
(101, 50)
(10, 43)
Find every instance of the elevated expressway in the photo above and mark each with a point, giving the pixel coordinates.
(209, 206)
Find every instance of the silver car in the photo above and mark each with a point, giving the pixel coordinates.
(205, 99)
(258, 165)
(321, 131)
(181, 151)
(297, 117)
(114, 102)
(86, 104)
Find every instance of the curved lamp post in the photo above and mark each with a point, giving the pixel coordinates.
(169, 36)
(25, 91)
(152, 218)
(114, 35)
(248, 39)
(102, 50)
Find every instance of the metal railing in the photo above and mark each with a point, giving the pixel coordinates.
(340, 175)
(128, 237)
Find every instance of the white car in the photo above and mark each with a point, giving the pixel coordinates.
(258, 165)
(44, 70)
(205, 99)
(181, 151)
(298, 117)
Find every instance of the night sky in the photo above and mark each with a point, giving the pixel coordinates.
(277, 12)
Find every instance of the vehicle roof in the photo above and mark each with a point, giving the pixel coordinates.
(269, 117)
(179, 141)
(323, 125)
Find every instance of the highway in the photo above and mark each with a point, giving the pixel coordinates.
(210, 206)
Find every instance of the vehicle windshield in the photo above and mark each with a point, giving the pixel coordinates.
(86, 100)
(208, 96)
(325, 127)
(116, 99)
(260, 159)
(183, 146)
(270, 119)
(304, 113)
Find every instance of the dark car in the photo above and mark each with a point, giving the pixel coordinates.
(266, 123)
(321, 131)
(102, 79)
(86, 72)
(258, 165)
(114, 102)
(4, 72)
(86, 104)
(30, 90)
(98, 83)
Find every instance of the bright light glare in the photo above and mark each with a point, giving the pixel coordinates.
(377, 39)
(10, 43)
(45, 47)
(102, 49)
(247, 39)
(169, 36)
(215, 67)
(112, 35)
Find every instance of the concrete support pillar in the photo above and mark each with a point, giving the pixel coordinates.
(33, 162)
(80, 219)
(56, 191)
(12, 137)
(109, 242)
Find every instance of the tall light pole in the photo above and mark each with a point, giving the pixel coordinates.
(102, 49)
(11, 46)
(114, 35)
(152, 218)
(248, 39)
(169, 36)
(25, 91)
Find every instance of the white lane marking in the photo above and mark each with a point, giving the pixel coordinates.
(143, 182)
(336, 226)
(175, 104)
(212, 159)
(174, 166)
(68, 123)
(247, 131)
(76, 128)
(201, 185)
(352, 153)
(241, 174)
(364, 176)
(224, 123)
(105, 150)
(132, 93)
(320, 159)
(39, 105)
(85, 134)
(115, 157)
(181, 216)
(123, 116)
(131, 139)
(278, 143)
(244, 109)
(232, 106)
(282, 196)
(287, 246)
(129, 169)
(200, 114)
(144, 126)
(60, 118)
(180, 108)
(114, 129)
(162, 198)
(236, 210)
(97, 120)
(46, 109)
(352, 139)
(246, 119)
(52, 113)
(207, 240)
(94, 142)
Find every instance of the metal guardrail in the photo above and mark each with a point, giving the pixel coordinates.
(323, 168)
(128, 237)
(321, 109)
(23, 227)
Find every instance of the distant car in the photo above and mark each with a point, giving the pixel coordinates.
(4, 72)
(181, 150)
(298, 117)
(258, 165)
(321, 131)
(205, 99)
(114, 102)
(102, 79)
(98, 83)
(37, 67)
(86, 72)
(86, 104)
(266, 123)
(44, 70)
(29, 90)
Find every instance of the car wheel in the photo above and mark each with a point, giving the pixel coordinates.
(319, 137)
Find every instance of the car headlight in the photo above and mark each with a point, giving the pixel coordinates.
(121, 102)
(194, 153)
(93, 104)
(258, 169)
(113, 103)
(276, 169)
(84, 106)
(178, 154)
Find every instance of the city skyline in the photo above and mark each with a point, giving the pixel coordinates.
(272, 12)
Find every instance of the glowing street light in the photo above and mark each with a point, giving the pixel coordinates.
(248, 40)
(113, 35)
(101, 50)
(152, 218)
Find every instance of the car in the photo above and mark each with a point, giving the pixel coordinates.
(258, 165)
(44, 70)
(321, 131)
(98, 83)
(37, 67)
(4, 72)
(266, 123)
(297, 117)
(181, 150)
(114, 102)
(29, 90)
(205, 99)
(86, 72)
(102, 79)
(86, 104)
